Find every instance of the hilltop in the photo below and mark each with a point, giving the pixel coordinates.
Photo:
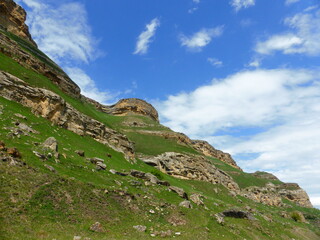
(72, 168)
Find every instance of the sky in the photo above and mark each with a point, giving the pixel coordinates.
(242, 74)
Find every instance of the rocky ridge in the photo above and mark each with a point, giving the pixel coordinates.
(13, 19)
(52, 107)
(194, 167)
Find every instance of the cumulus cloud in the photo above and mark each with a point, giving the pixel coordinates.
(215, 62)
(239, 4)
(270, 118)
(302, 39)
(145, 38)
(200, 39)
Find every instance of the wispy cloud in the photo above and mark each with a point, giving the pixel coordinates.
(302, 39)
(145, 38)
(289, 2)
(239, 4)
(63, 33)
(200, 39)
(273, 116)
(215, 62)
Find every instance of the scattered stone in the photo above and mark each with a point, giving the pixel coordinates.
(118, 183)
(76, 238)
(179, 191)
(220, 218)
(95, 160)
(176, 220)
(96, 227)
(80, 153)
(101, 166)
(267, 218)
(186, 204)
(177, 233)
(118, 173)
(135, 183)
(140, 228)
(39, 155)
(137, 174)
(50, 168)
(152, 211)
(196, 198)
(238, 214)
(51, 144)
(151, 178)
(26, 129)
(109, 155)
(14, 152)
(20, 116)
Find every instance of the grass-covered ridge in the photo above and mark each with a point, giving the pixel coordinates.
(39, 204)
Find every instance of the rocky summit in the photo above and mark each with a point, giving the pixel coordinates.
(73, 168)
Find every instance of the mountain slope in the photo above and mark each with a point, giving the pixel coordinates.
(73, 167)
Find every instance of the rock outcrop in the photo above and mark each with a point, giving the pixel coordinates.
(128, 106)
(265, 175)
(272, 194)
(13, 19)
(195, 167)
(54, 108)
(40, 64)
(202, 147)
(206, 149)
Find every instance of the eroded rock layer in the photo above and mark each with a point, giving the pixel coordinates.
(194, 167)
(51, 106)
(13, 19)
(128, 106)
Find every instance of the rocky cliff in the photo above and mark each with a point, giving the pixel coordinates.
(13, 19)
(51, 106)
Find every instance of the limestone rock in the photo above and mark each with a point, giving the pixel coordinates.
(196, 198)
(51, 106)
(13, 20)
(50, 168)
(96, 227)
(133, 106)
(298, 196)
(220, 218)
(179, 191)
(185, 204)
(80, 153)
(187, 166)
(51, 143)
(208, 150)
(265, 175)
(140, 228)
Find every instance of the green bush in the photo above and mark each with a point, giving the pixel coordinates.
(157, 173)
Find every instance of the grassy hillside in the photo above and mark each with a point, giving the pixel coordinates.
(39, 203)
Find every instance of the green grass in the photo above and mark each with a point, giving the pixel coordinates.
(155, 145)
(39, 204)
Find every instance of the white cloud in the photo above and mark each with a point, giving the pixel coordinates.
(303, 39)
(239, 4)
(215, 62)
(270, 116)
(200, 39)
(63, 33)
(254, 63)
(289, 2)
(88, 86)
(145, 38)
(196, 1)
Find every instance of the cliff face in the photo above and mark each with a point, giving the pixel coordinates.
(13, 19)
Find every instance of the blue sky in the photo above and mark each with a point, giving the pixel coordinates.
(241, 74)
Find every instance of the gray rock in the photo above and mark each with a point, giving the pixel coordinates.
(140, 228)
(179, 191)
(50, 168)
(234, 213)
(220, 218)
(51, 144)
(186, 204)
(76, 238)
(101, 166)
(80, 153)
(196, 198)
(96, 227)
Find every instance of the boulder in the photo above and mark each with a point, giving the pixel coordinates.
(14, 152)
(179, 191)
(196, 198)
(185, 204)
(96, 227)
(140, 228)
(234, 213)
(51, 143)
(80, 153)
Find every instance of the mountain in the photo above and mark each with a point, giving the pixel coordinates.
(72, 168)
